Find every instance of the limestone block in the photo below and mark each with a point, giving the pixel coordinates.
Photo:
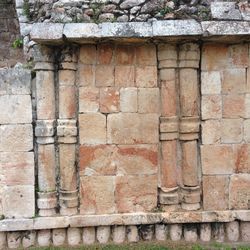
(146, 232)
(92, 128)
(3, 242)
(215, 185)
(233, 106)
(190, 233)
(125, 54)
(18, 162)
(205, 232)
(74, 236)
(105, 76)
(146, 54)
(245, 231)
(105, 53)
(88, 235)
(14, 240)
(88, 99)
(146, 76)
(59, 236)
(124, 76)
(87, 54)
(211, 107)
(124, 128)
(19, 201)
(45, 128)
(175, 231)
(67, 102)
(119, 234)
(103, 234)
(232, 230)
(167, 51)
(128, 100)
(109, 100)
(169, 197)
(86, 75)
(242, 158)
(231, 130)
(29, 240)
(239, 190)
(211, 132)
(97, 195)
(161, 232)
(218, 232)
(15, 109)
(169, 128)
(46, 167)
(217, 159)
(45, 93)
(148, 100)
(136, 193)
(132, 234)
(210, 83)
(44, 238)
(66, 77)
(168, 92)
(225, 10)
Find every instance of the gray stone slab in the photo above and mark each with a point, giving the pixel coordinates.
(221, 28)
(176, 28)
(225, 11)
(43, 32)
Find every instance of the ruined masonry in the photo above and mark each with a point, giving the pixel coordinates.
(126, 131)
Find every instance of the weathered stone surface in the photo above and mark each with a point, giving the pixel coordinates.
(87, 54)
(109, 100)
(242, 159)
(129, 100)
(3, 242)
(16, 138)
(175, 231)
(59, 236)
(223, 159)
(205, 232)
(148, 100)
(29, 240)
(67, 102)
(232, 230)
(119, 234)
(215, 185)
(161, 232)
(97, 195)
(146, 55)
(245, 231)
(190, 233)
(222, 10)
(14, 240)
(88, 235)
(124, 128)
(211, 107)
(146, 76)
(15, 109)
(233, 106)
(132, 234)
(92, 128)
(66, 77)
(44, 238)
(231, 130)
(211, 132)
(210, 83)
(86, 75)
(88, 99)
(74, 236)
(136, 193)
(146, 232)
(125, 55)
(103, 234)
(239, 190)
(124, 74)
(105, 76)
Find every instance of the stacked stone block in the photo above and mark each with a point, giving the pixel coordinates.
(118, 123)
(225, 127)
(17, 179)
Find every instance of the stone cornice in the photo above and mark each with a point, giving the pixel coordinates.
(83, 32)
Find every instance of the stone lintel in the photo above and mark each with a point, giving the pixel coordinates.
(122, 219)
(54, 33)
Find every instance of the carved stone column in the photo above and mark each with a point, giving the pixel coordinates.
(189, 57)
(45, 130)
(168, 191)
(67, 132)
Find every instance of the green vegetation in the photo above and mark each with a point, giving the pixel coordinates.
(26, 9)
(18, 43)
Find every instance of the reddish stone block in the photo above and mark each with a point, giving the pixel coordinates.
(97, 160)
(233, 106)
(146, 54)
(66, 77)
(67, 102)
(105, 53)
(215, 192)
(97, 195)
(87, 54)
(217, 159)
(109, 100)
(146, 76)
(136, 193)
(211, 132)
(88, 99)
(210, 83)
(148, 100)
(86, 75)
(125, 54)
(239, 190)
(239, 55)
(105, 76)
(231, 130)
(125, 76)
(242, 158)
(211, 106)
